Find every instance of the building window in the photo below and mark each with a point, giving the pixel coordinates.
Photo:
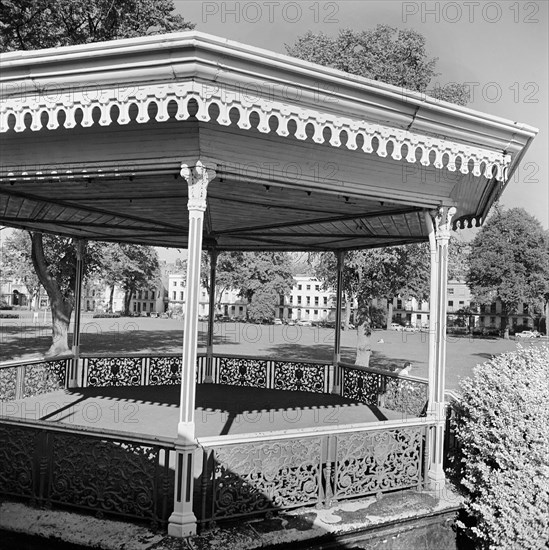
(451, 291)
(174, 293)
(525, 309)
(281, 303)
(181, 294)
(299, 300)
(316, 300)
(308, 287)
(515, 321)
(493, 321)
(144, 306)
(399, 304)
(291, 299)
(492, 308)
(151, 306)
(307, 313)
(135, 306)
(461, 303)
(450, 303)
(299, 287)
(317, 287)
(525, 321)
(325, 300)
(152, 294)
(308, 300)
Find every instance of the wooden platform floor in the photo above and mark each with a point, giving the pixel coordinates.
(220, 410)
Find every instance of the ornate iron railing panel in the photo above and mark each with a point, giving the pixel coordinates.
(165, 370)
(250, 478)
(373, 462)
(80, 469)
(289, 375)
(17, 472)
(27, 379)
(361, 385)
(45, 378)
(392, 391)
(264, 473)
(8, 383)
(239, 371)
(113, 371)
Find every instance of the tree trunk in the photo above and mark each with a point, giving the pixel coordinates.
(111, 298)
(364, 333)
(504, 324)
(61, 309)
(127, 301)
(347, 311)
(61, 312)
(389, 314)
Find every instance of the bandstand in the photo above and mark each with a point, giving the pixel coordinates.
(189, 140)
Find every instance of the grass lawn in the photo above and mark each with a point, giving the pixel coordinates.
(20, 338)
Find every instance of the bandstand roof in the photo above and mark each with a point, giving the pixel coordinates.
(306, 157)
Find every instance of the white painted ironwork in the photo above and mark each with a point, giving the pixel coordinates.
(106, 106)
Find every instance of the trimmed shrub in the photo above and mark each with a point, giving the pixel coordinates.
(9, 315)
(502, 428)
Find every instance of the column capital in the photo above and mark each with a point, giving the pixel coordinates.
(198, 177)
(443, 223)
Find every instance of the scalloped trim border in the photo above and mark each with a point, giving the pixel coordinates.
(446, 153)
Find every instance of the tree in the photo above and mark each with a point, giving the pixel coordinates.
(259, 277)
(54, 261)
(37, 24)
(509, 262)
(385, 53)
(385, 273)
(133, 267)
(16, 263)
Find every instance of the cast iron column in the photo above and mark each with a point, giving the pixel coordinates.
(182, 522)
(439, 225)
(75, 374)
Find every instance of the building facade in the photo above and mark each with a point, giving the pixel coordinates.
(308, 300)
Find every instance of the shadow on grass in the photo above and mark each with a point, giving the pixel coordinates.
(21, 340)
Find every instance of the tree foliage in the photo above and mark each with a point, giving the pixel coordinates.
(37, 24)
(509, 261)
(503, 453)
(132, 267)
(394, 56)
(385, 273)
(259, 277)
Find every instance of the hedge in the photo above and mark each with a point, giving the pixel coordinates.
(502, 429)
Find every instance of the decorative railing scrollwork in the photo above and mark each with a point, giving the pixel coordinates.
(289, 375)
(237, 371)
(373, 462)
(165, 370)
(250, 478)
(114, 371)
(27, 379)
(392, 391)
(270, 473)
(86, 470)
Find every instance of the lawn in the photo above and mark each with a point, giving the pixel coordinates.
(21, 338)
